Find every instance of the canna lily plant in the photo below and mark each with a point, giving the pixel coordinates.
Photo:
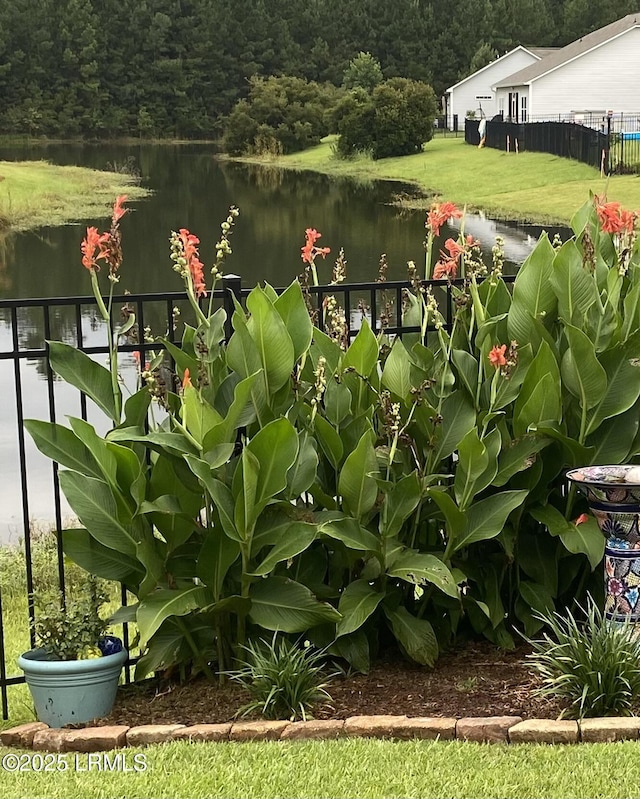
(365, 490)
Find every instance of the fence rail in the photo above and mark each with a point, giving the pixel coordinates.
(608, 143)
(27, 325)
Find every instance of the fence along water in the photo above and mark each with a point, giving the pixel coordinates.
(610, 143)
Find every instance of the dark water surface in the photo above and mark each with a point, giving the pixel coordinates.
(194, 190)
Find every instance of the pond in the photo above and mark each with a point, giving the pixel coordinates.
(193, 189)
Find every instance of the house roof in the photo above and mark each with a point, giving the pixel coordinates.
(542, 52)
(572, 51)
(533, 50)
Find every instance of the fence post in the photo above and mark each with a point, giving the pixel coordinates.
(232, 287)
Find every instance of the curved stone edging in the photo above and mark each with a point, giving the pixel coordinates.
(491, 729)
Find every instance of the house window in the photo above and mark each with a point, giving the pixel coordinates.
(501, 106)
(523, 109)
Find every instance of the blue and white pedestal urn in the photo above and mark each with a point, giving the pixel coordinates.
(613, 494)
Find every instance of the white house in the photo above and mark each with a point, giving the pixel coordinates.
(590, 77)
(476, 93)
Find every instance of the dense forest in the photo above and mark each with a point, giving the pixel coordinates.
(105, 68)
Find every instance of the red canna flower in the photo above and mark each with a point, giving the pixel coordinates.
(190, 251)
(447, 266)
(445, 269)
(105, 246)
(609, 216)
(496, 356)
(94, 247)
(118, 210)
(613, 218)
(439, 214)
(310, 251)
(455, 248)
(628, 220)
(582, 518)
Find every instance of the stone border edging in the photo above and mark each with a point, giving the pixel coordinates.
(490, 729)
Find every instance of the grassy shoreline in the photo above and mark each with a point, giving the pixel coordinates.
(36, 194)
(528, 187)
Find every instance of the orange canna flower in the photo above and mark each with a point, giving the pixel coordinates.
(310, 251)
(628, 220)
(445, 269)
(496, 356)
(118, 210)
(439, 214)
(94, 247)
(455, 248)
(106, 246)
(186, 380)
(196, 267)
(613, 218)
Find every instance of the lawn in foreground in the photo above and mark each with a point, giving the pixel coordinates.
(536, 187)
(350, 768)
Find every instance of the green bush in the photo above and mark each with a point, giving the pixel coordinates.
(354, 117)
(304, 481)
(592, 664)
(395, 119)
(289, 111)
(284, 680)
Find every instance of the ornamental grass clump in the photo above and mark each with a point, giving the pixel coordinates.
(285, 680)
(592, 664)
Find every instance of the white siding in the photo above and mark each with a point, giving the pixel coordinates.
(604, 79)
(463, 96)
(524, 93)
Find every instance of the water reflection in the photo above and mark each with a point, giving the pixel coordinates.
(519, 241)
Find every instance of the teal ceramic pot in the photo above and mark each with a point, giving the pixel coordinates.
(72, 691)
(613, 493)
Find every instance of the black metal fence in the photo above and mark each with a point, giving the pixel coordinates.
(608, 143)
(25, 328)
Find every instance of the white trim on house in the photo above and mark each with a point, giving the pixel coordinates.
(492, 64)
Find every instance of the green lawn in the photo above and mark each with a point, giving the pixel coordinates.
(350, 768)
(530, 186)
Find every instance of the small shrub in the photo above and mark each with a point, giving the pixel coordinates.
(594, 664)
(126, 167)
(71, 631)
(283, 679)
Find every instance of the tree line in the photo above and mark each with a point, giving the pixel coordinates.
(167, 68)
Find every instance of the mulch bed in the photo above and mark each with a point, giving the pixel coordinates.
(476, 680)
